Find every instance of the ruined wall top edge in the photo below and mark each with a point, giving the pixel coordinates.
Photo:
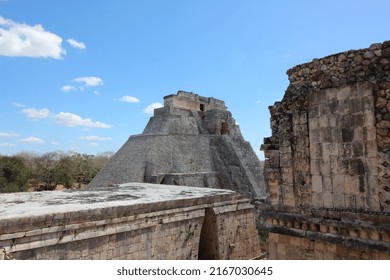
(369, 64)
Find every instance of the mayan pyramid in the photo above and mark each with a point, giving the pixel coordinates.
(191, 141)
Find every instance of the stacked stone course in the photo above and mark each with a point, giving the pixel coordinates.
(329, 151)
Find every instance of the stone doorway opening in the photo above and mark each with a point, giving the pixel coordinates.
(224, 128)
(208, 243)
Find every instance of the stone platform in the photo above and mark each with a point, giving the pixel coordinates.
(129, 221)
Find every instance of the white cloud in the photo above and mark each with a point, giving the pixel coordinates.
(95, 138)
(20, 39)
(34, 140)
(8, 135)
(151, 107)
(82, 83)
(54, 143)
(89, 81)
(63, 118)
(36, 114)
(20, 105)
(6, 144)
(68, 88)
(94, 144)
(71, 120)
(128, 98)
(77, 45)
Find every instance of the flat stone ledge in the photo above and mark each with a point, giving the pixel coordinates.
(130, 194)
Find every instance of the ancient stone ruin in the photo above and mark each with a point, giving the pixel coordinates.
(327, 173)
(191, 141)
(195, 149)
(134, 221)
(328, 159)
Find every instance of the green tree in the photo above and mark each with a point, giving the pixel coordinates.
(65, 172)
(13, 175)
(45, 169)
(44, 172)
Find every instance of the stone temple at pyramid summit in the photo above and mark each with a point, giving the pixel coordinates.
(191, 141)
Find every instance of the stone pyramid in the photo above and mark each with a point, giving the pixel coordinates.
(191, 141)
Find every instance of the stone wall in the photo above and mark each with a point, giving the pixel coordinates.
(285, 247)
(132, 221)
(329, 148)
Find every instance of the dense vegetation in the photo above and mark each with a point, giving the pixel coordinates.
(28, 171)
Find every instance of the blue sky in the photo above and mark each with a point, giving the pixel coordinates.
(82, 75)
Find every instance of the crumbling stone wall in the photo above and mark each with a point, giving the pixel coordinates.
(329, 151)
